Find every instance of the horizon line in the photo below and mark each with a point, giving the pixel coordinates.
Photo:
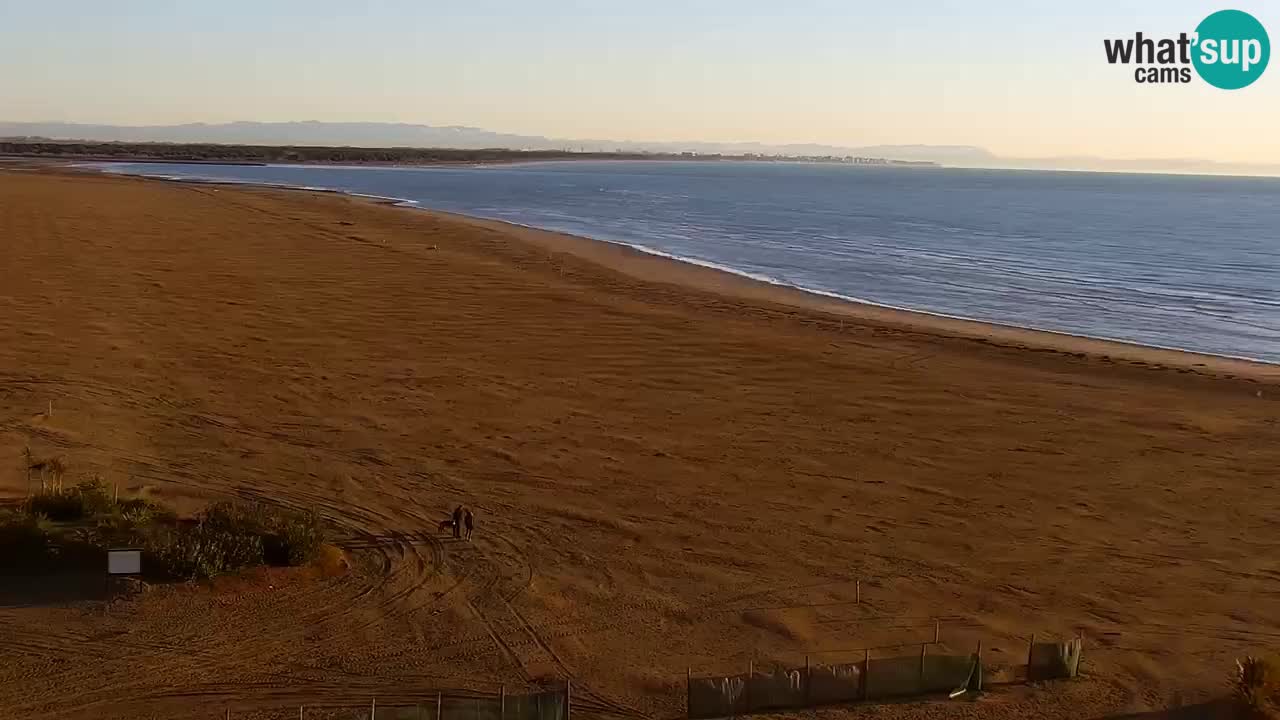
(1271, 166)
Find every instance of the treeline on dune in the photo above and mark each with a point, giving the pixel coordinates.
(209, 152)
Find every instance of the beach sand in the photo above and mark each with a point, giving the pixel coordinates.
(674, 469)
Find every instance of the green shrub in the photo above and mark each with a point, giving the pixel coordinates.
(250, 517)
(296, 539)
(289, 537)
(229, 536)
(226, 537)
(175, 555)
(57, 505)
(26, 541)
(134, 504)
(87, 499)
(239, 549)
(136, 513)
(95, 497)
(114, 531)
(30, 542)
(200, 551)
(85, 548)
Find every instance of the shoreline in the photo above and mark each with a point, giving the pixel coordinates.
(635, 262)
(655, 266)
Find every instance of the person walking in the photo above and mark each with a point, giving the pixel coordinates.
(457, 522)
(471, 523)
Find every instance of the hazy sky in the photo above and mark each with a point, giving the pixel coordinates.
(1021, 78)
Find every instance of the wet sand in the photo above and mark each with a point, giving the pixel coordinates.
(672, 467)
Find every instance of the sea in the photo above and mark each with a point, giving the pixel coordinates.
(1172, 261)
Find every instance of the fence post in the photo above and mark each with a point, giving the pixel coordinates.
(502, 702)
(923, 648)
(373, 708)
(688, 691)
(751, 673)
(979, 667)
(568, 699)
(439, 704)
(1031, 651)
(866, 674)
(808, 674)
(299, 712)
(857, 591)
(1079, 655)
(937, 631)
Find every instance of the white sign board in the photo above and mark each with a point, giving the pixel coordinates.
(124, 562)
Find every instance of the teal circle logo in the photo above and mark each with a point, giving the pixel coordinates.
(1232, 49)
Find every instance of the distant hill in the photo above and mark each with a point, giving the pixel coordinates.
(382, 135)
(403, 135)
(1184, 166)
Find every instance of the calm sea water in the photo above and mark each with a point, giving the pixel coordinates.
(1171, 261)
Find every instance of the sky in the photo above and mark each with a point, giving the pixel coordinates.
(1020, 78)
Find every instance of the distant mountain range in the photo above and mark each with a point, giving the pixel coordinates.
(376, 134)
(372, 134)
(1177, 166)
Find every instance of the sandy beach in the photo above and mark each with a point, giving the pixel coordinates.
(675, 469)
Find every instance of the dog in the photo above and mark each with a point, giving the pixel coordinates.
(445, 526)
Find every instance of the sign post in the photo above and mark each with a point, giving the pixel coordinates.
(122, 561)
